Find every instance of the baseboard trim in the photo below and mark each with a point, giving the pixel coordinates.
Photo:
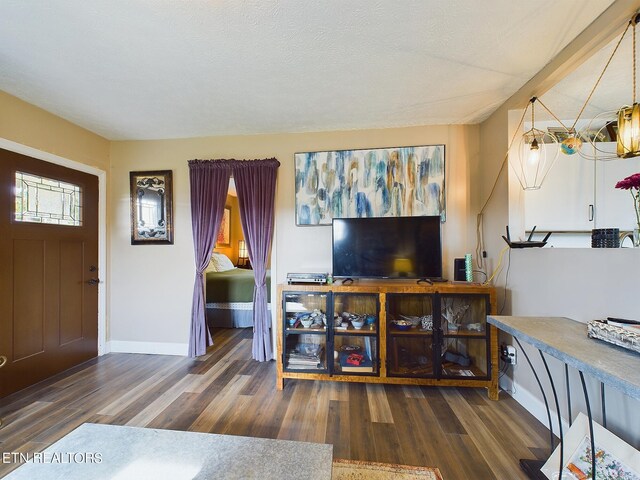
(154, 348)
(535, 406)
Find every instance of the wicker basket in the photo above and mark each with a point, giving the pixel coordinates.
(612, 334)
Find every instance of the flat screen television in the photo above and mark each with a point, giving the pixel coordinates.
(387, 247)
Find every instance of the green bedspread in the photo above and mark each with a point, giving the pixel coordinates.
(233, 286)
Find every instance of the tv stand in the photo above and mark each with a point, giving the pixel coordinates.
(448, 342)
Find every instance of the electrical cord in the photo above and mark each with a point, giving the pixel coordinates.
(502, 372)
(506, 282)
(479, 223)
(498, 268)
(481, 272)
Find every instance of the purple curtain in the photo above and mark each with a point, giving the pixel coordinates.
(209, 185)
(256, 185)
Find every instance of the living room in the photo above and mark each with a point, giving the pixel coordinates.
(145, 300)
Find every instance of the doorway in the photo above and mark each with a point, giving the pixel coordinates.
(48, 269)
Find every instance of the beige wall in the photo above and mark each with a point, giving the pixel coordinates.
(26, 124)
(152, 285)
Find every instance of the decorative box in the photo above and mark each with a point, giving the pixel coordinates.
(617, 335)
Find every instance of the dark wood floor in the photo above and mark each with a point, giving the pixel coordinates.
(458, 430)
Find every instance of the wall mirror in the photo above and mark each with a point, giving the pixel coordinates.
(579, 194)
(151, 207)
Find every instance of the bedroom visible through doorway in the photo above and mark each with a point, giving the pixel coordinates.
(229, 277)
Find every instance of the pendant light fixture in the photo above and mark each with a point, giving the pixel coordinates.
(534, 154)
(628, 143)
(621, 126)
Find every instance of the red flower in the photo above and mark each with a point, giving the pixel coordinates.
(632, 181)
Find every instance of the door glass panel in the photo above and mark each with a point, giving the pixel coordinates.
(305, 352)
(410, 356)
(464, 357)
(463, 315)
(46, 200)
(305, 340)
(355, 354)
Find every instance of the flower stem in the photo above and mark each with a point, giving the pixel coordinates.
(636, 204)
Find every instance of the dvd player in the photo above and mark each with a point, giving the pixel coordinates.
(320, 278)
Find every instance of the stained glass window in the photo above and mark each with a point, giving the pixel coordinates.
(45, 200)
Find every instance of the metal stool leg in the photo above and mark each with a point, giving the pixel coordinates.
(593, 442)
(555, 397)
(566, 375)
(532, 467)
(544, 395)
(604, 406)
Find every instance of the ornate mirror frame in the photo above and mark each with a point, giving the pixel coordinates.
(151, 195)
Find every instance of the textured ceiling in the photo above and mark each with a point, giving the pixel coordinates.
(614, 89)
(148, 69)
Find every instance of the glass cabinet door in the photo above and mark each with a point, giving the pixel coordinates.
(464, 348)
(305, 331)
(410, 336)
(355, 334)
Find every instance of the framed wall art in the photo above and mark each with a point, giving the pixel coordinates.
(382, 182)
(224, 234)
(151, 207)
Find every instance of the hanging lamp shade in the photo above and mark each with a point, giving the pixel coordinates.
(628, 142)
(597, 136)
(534, 154)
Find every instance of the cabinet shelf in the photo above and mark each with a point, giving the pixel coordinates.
(411, 332)
(309, 330)
(436, 356)
(465, 334)
(353, 331)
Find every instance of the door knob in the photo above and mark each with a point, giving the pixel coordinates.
(93, 281)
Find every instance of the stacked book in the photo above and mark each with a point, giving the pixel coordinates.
(631, 325)
(355, 362)
(306, 356)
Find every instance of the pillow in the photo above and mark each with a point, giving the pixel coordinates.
(219, 263)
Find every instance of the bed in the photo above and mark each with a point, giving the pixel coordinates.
(229, 296)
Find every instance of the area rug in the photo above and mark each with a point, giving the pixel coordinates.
(110, 452)
(356, 470)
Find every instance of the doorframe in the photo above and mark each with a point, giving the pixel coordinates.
(102, 223)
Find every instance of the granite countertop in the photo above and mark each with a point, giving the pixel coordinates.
(118, 452)
(566, 340)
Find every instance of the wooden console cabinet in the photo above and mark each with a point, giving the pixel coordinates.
(450, 342)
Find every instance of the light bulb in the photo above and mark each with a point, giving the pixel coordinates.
(534, 153)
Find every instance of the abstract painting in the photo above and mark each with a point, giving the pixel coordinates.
(382, 182)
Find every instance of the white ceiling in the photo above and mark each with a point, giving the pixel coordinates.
(148, 69)
(614, 89)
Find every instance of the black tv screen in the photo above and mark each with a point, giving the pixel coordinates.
(388, 247)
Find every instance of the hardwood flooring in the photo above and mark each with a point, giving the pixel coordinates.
(458, 430)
